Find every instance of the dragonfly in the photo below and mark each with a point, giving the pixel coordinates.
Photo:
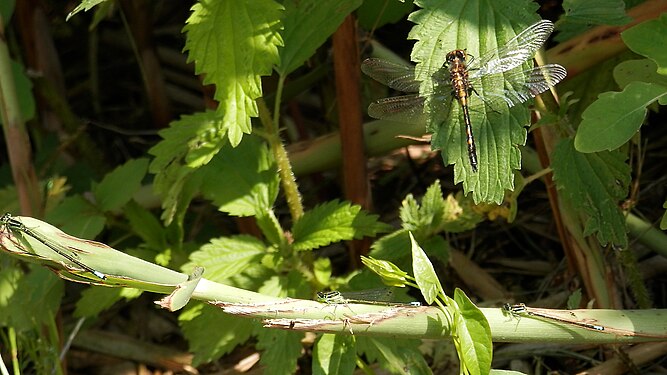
(460, 74)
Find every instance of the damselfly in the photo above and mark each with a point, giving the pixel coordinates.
(461, 74)
(372, 297)
(17, 226)
(520, 309)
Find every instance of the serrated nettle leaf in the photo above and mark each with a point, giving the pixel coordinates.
(474, 335)
(307, 25)
(333, 222)
(391, 275)
(281, 349)
(225, 257)
(85, 6)
(242, 180)
(233, 44)
(432, 204)
(118, 186)
(183, 137)
(397, 356)
(615, 117)
(392, 247)
(197, 322)
(334, 354)
(594, 183)
(485, 26)
(648, 39)
(270, 227)
(424, 274)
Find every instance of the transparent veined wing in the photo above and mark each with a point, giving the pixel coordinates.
(398, 77)
(525, 84)
(407, 108)
(514, 53)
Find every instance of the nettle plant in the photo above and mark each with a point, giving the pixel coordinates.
(234, 158)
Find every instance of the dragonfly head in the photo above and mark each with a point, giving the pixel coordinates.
(457, 56)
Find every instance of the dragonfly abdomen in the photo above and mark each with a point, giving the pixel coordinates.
(461, 89)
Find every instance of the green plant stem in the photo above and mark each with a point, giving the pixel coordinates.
(16, 138)
(14, 351)
(287, 179)
(647, 234)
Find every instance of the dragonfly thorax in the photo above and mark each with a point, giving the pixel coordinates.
(458, 75)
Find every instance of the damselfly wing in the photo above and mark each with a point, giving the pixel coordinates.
(457, 80)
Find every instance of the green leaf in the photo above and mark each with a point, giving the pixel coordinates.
(187, 144)
(322, 270)
(308, 24)
(225, 257)
(270, 226)
(95, 300)
(588, 85)
(663, 222)
(192, 140)
(638, 70)
(118, 186)
(397, 356)
(615, 117)
(391, 275)
(77, 217)
(23, 91)
(197, 323)
(581, 15)
(373, 14)
(474, 335)
(333, 222)
(242, 181)
(392, 247)
(28, 300)
(427, 217)
(484, 25)
(232, 44)
(281, 350)
(427, 279)
(334, 354)
(7, 10)
(594, 183)
(146, 226)
(85, 5)
(648, 39)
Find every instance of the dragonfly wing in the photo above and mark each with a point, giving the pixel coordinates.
(408, 108)
(526, 84)
(398, 77)
(515, 52)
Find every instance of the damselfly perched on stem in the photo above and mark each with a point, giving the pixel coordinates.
(372, 297)
(18, 228)
(521, 309)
